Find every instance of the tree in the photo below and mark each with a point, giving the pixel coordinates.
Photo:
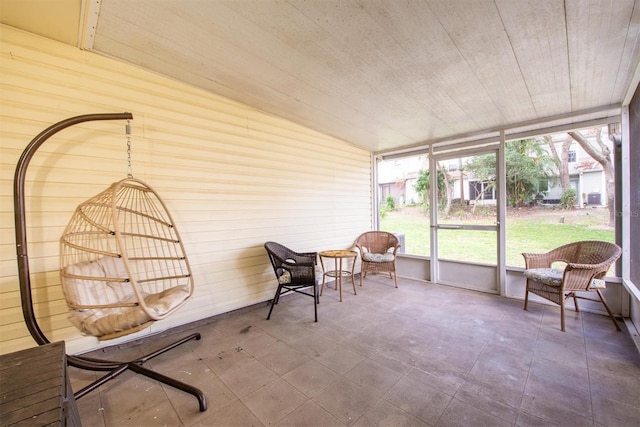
(601, 153)
(527, 164)
(423, 184)
(562, 161)
(483, 169)
(448, 188)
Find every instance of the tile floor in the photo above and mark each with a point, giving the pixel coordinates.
(419, 355)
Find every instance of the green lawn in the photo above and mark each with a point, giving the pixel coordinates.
(528, 230)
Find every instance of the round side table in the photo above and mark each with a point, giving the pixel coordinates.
(338, 271)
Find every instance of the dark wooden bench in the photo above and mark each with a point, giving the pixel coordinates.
(35, 388)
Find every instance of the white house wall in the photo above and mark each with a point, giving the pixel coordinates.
(593, 183)
(231, 176)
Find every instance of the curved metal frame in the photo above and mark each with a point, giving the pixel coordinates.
(115, 368)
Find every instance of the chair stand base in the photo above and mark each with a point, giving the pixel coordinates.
(116, 368)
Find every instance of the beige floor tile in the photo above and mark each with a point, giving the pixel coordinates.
(625, 389)
(384, 414)
(222, 360)
(274, 401)
(389, 363)
(311, 378)
(418, 399)
(310, 414)
(247, 378)
(511, 356)
(373, 376)
(313, 345)
(576, 376)
(613, 413)
(282, 358)
(91, 410)
(493, 395)
(492, 400)
(218, 395)
(260, 344)
(457, 351)
(339, 359)
(128, 396)
(438, 375)
(527, 420)
(550, 410)
(287, 332)
(233, 415)
(152, 415)
(345, 400)
(462, 414)
(499, 374)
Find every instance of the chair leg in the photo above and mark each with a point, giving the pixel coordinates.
(562, 316)
(608, 310)
(575, 300)
(395, 277)
(277, 296)
(323, 279)
(274, 301)
(526, 296)
(315, 301)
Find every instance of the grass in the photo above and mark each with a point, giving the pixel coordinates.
(528, 230)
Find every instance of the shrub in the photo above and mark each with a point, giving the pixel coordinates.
(568, 199)
(391, 202)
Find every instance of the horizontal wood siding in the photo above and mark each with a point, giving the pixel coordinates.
(232, 178)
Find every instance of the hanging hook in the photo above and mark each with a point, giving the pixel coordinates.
(128, 132)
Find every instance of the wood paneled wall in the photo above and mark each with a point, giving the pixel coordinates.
(232, 177)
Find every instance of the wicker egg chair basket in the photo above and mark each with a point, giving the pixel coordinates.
(122, 262)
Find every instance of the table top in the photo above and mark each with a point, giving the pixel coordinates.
(338, 253)
(35, 388)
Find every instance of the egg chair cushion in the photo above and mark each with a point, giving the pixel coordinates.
(102, 307)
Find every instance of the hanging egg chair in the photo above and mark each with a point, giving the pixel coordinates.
(122, 265)
(122, 262)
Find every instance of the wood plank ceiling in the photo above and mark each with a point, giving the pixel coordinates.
(388, 74)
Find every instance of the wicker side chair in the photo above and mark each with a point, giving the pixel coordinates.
(294, 272)
(378, 251)
(587, 262)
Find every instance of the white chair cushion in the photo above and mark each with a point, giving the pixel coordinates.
(548, 276)
(371, 257)
(109, 320)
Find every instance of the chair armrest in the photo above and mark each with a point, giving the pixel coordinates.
(311, 257)
(537, 260)
(577, 277)
(307, 258)
(603, 266)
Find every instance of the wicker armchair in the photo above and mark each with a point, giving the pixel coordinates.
(294, 272)
(378, 253)
(587, 263)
